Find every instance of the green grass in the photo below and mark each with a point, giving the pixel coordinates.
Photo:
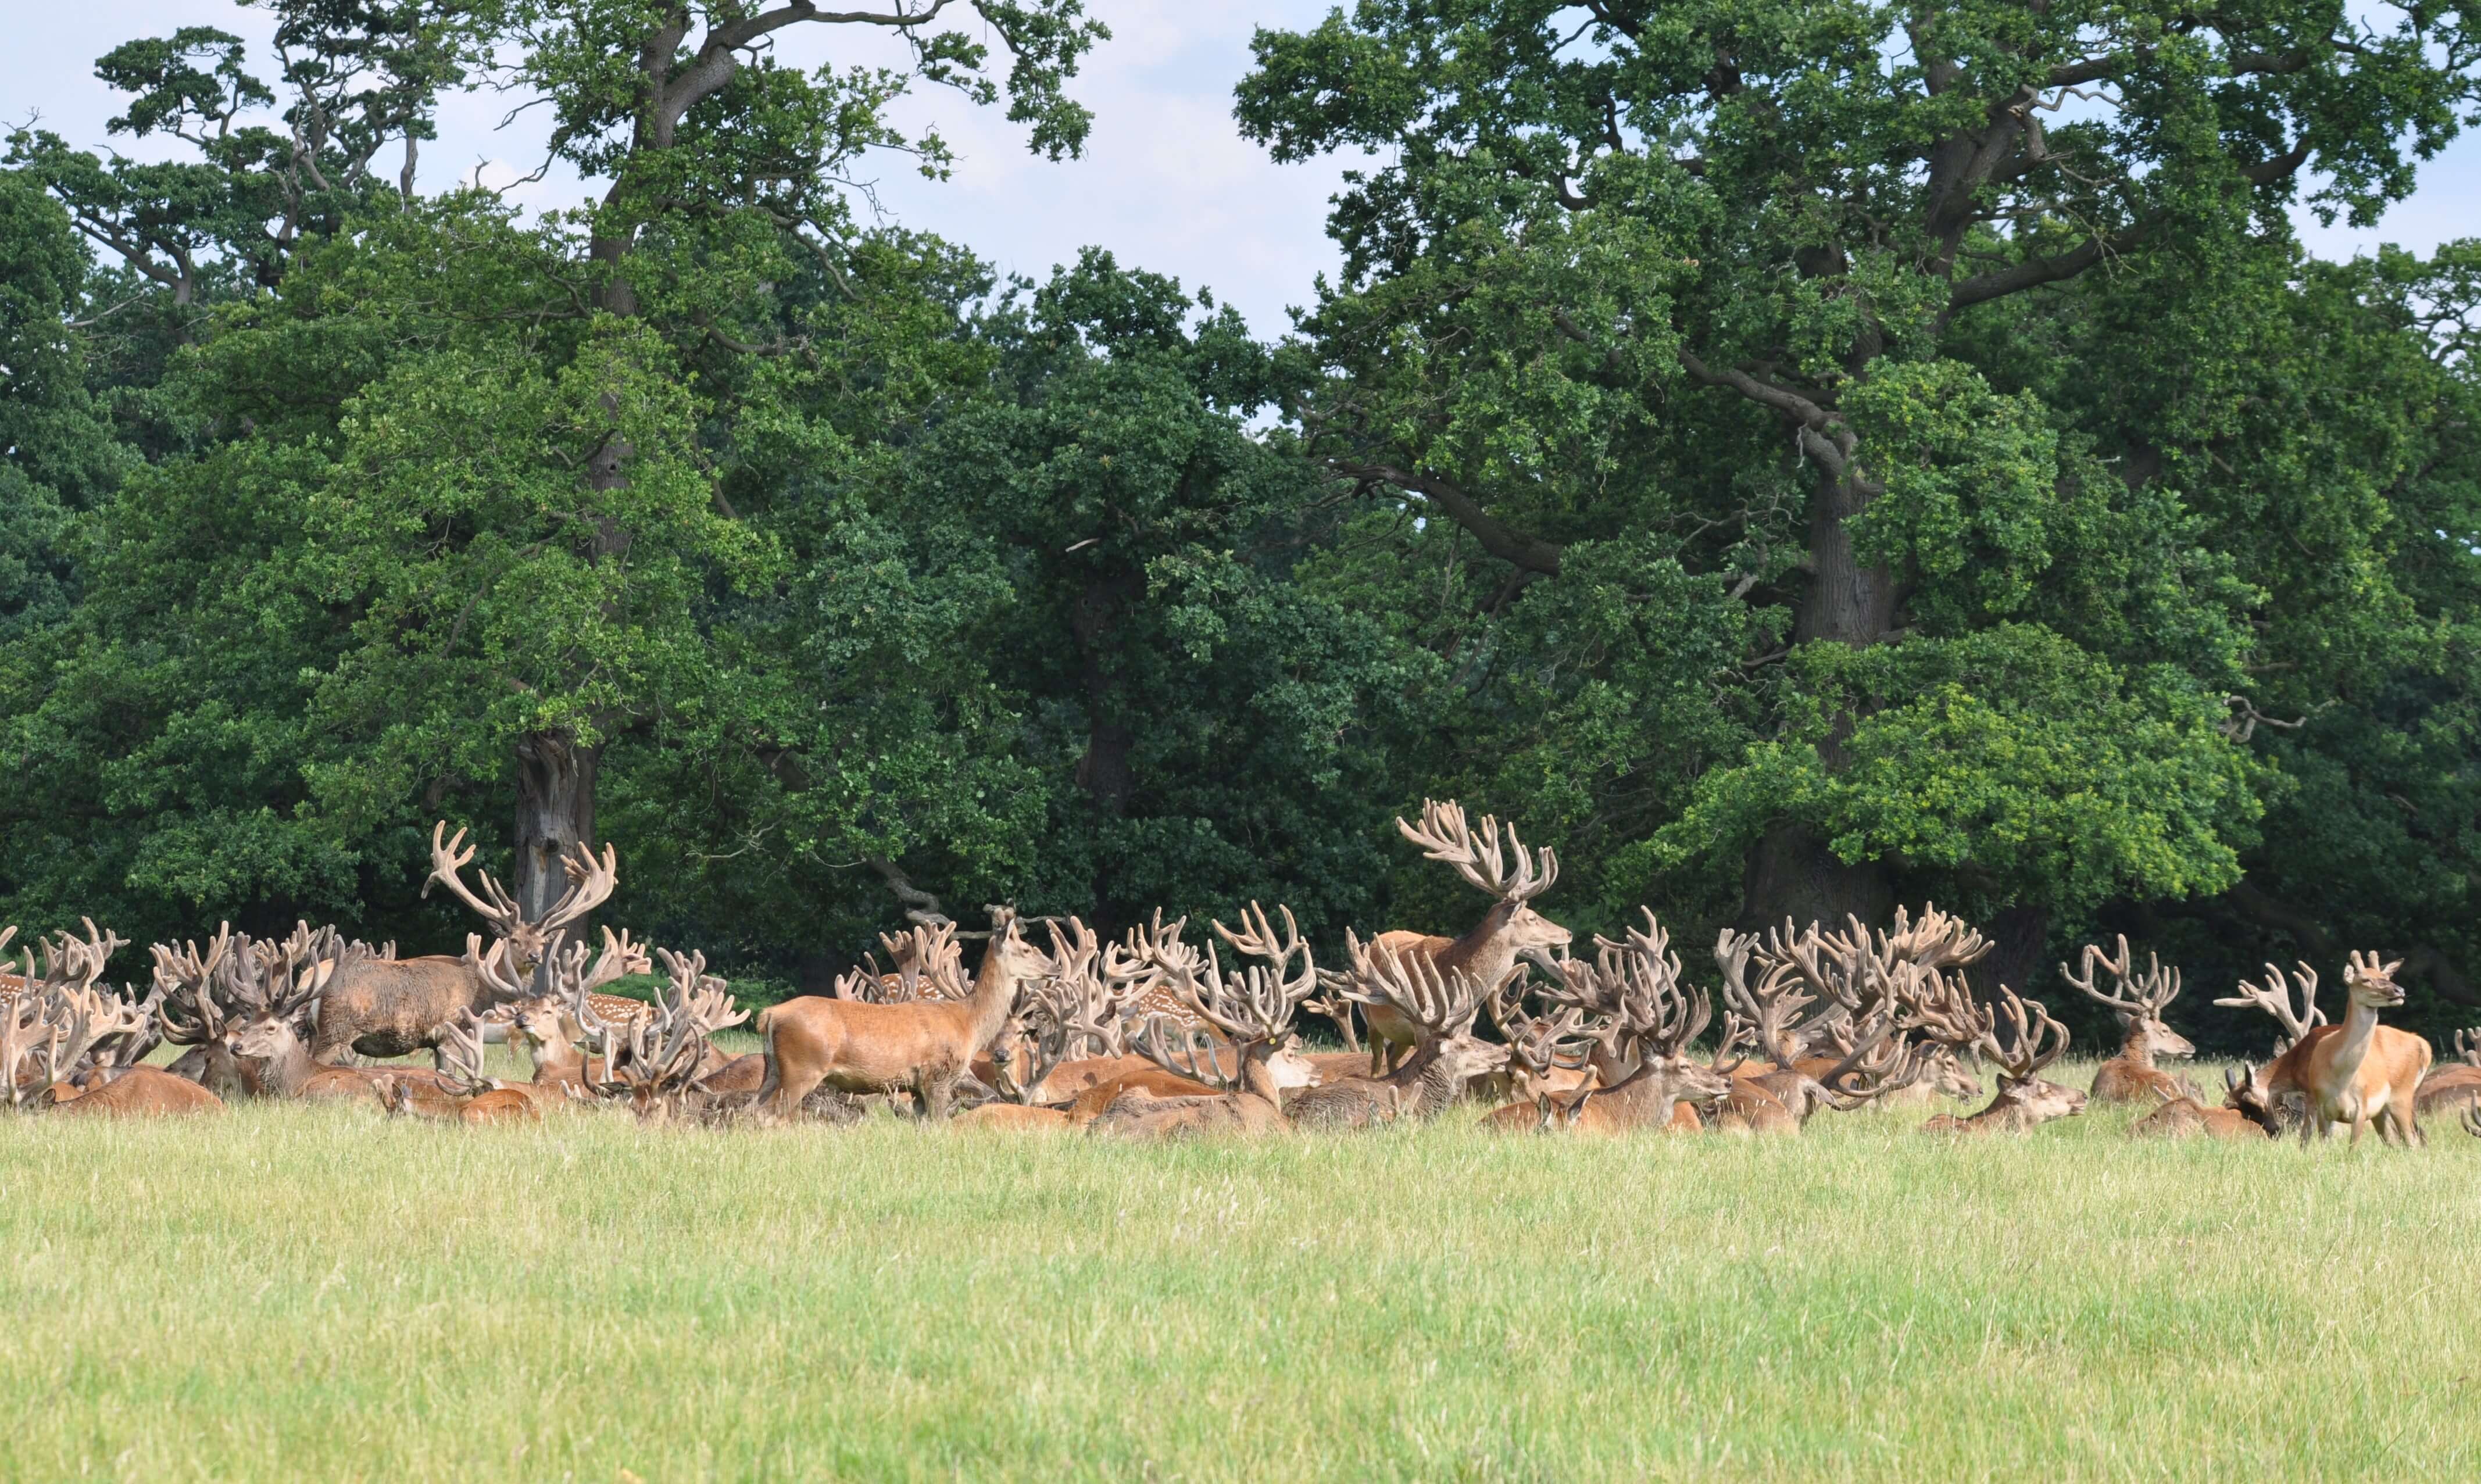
(317, 1293)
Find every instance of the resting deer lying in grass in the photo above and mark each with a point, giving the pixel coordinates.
(2184, 1117)
(1846, 975)
(2348, 1076)
(1491, 946)
(1440, 1004)
(921, 1048)
(656, 1059)
(2026, 1100)
(1027, 1049)
(1630, 1002)
(1252, 1009)
(1784, 1100)
(2131, 1077)
(40, 1030)
(2456, 1085)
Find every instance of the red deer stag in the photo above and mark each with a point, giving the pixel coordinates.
(394, 1007)
(1490, 949)
(1644, 1020)
(1252, 1010)
(2348, 1076)
(2456, 1085)
(656, 1059)
(922, 1049)
(2131, 1077)
(1441, 1006)
(2025, 1098)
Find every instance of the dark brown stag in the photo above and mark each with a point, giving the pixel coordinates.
(392, 1006)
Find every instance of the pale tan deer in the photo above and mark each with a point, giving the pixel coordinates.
(2138, 1001)
(1441, 1006)
(2349, 1075)
(2026, 1100)
(921, 1048)
(1252, 1012)
(1845, 975)
(1491, 946)
(392, 1006)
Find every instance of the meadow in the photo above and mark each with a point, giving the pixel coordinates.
(323, 1294)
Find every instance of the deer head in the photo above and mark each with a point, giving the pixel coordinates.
(591, 883)
(2138, 999)
(1482, 861)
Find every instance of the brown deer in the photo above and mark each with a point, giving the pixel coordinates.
(144, 1092)
(656, 1059)
(2457, 1083)
(2348, 1076)
(467, 1095)
(1441, 1006)
(1491, 946)
(1845, 974)
(2131, 1077)
(921, 1048)
(392, 1006)
(2026, 1100)
(1643, 1021)
(1023, 1057)
(2184, 1117)
(1252, 1012)
(1784, 1100)
(269, 1045)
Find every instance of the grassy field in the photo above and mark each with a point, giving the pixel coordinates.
(316, 1293)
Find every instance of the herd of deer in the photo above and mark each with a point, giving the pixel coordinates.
(1157, 1037)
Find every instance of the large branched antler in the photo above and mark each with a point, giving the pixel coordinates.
(2274, 997)
(1443, 835)
(2133, 995)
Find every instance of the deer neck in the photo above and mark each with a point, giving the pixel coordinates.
(2137, 1048)
(558, 1057)
(1485, 951)
(994, 995)
(284, 1073)
(2352, 1042)
(1257, 1076)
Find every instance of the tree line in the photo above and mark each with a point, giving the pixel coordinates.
(1794, 460)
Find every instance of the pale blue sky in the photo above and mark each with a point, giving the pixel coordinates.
(1167, 182)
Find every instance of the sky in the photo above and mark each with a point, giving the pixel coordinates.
(1166, 181)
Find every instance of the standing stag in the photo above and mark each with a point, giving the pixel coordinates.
(394, 1007)
(2348, 1076)
(2131, 1077)
(1489, 950)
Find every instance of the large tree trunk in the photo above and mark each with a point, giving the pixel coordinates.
(554, 813)
(1106, 772)
(1792, 873)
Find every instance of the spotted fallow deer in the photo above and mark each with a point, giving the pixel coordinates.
(393, 1006)
(2348, 1076)
(1491, 946)
(2138, 1001)
(921, 1048)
